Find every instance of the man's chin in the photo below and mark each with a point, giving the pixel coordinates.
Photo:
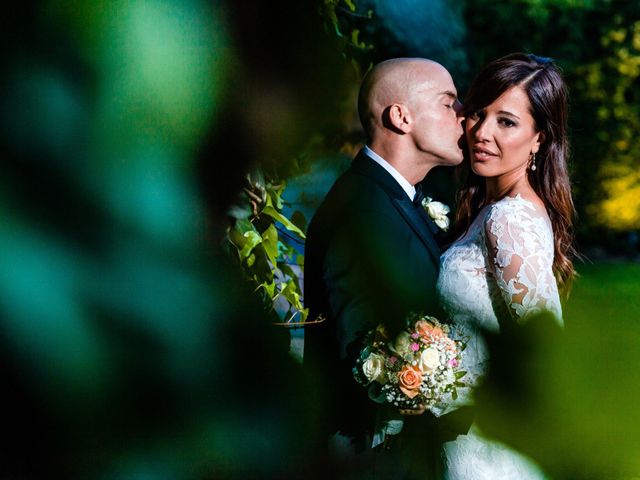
(456, 160)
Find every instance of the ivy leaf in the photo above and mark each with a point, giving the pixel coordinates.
(290, 292)
(262, 269)
(354, 38)
(273, 213)
(252, 240)
(286, 269)
(270, 243)
(268, 259)
(269, 288)
(276, 194)
(237, 239)
(243, 226)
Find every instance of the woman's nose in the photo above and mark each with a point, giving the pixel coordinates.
(481, 131)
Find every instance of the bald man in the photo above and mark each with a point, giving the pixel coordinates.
(371, 256)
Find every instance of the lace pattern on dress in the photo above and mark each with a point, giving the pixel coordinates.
(501, 269)
(519, 240)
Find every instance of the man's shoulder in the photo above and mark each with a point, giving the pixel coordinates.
(355, 191)
(352, 200)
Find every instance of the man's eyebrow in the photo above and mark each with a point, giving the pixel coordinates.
(449, 93)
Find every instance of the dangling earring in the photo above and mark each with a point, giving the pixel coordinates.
(533, 162)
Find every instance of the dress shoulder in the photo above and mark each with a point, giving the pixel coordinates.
(516, 225)
(515, 209)
(520, 246)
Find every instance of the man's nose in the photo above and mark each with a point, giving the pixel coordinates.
(457, 106)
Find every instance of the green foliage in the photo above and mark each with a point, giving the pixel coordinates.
(598, 45)
(269, 258)
(596, 42)
(567, 397)
(612, 82)
(345, 19)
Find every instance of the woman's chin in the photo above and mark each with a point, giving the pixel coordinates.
(479, 169)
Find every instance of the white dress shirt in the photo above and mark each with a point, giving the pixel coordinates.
(403, 182)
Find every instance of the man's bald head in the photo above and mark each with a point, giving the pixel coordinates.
(393, 81)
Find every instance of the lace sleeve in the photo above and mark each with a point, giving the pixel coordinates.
(520, 248)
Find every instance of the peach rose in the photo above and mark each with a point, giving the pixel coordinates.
(410, 379)
(427, 329)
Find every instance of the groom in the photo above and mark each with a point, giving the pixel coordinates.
(371, 257)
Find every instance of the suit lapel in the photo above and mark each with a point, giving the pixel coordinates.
(419, 222)
(433, 228)
(419, 225)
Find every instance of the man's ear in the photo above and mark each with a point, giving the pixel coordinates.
(400, 117)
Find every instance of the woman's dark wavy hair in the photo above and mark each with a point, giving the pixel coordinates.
(542, 80)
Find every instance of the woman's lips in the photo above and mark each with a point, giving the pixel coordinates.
(480, 154)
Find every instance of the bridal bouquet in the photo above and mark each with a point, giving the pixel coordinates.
(420, 366)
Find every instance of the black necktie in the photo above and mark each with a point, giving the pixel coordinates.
(417, 202)
(419, 196)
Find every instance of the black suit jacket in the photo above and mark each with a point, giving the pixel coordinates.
(370, 258)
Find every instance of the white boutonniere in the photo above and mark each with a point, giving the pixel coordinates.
(437, 211)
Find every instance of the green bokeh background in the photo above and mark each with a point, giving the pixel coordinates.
(132, 346)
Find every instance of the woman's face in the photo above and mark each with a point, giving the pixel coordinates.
(502, 136)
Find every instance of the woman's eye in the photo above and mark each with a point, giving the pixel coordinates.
(507, 122)
(474, 115)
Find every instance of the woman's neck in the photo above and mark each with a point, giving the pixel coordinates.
(509, 184)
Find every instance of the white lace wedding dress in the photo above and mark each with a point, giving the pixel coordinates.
(500, 269)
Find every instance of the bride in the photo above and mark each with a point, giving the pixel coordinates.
(514, 217)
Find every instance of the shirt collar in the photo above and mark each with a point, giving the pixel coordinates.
(409, 189)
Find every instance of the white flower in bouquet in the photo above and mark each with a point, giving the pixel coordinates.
(373, 368)
(418, 367)
(402, 344)
(429, 360)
